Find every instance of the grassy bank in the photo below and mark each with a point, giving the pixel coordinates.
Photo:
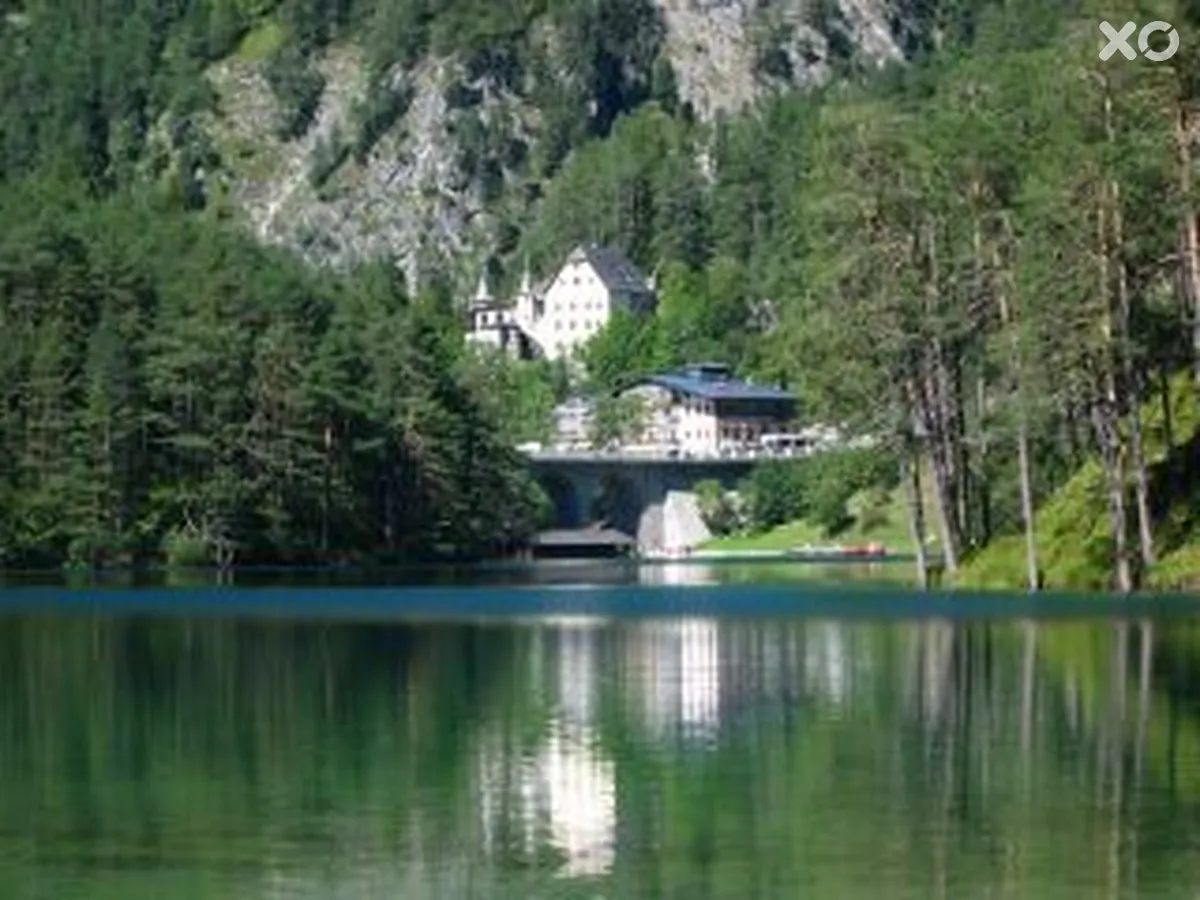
(885, 524)
(1074, 537)
(1073, 533)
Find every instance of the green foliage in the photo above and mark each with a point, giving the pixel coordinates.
(627, 346)
(174, 392)
(261, 42)
(774, 493)
(818, 489)
(298, 87)
(383, 107)
(915, 246)
(832, 479)
(86, 88)
(716, 508)
(184, 549)
(1074, 533)
(520, 396)
(618, 418)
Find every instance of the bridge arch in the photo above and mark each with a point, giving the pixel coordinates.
(617, 502)
(566, 504)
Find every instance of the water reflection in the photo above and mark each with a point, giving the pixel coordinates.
(563, 787)
(642, 758)
(678, 574)
(672, 676)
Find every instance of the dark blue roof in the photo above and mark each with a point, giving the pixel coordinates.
(713, 382)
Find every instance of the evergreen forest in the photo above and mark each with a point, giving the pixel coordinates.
(987, 255)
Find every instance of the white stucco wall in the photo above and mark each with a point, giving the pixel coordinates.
(490, 337)
(576, 306)
(696, 427)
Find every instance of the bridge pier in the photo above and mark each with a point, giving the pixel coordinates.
(649, 498)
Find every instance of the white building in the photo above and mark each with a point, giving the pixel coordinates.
(573, 423)
(559, 318)
(493, 325)
(704, 410)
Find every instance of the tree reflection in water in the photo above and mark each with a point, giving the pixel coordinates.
(693, 757)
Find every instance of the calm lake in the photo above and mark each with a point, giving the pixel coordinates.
(596, 732)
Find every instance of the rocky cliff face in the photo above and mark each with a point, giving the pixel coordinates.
(727, 52)
(410, 199)
(407, 200)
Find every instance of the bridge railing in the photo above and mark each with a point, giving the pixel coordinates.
(645, 454)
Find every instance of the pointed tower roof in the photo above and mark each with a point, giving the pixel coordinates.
(526, 279)
(483, 294)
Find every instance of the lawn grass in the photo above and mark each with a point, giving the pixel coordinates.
(888, 525)
(783, 537)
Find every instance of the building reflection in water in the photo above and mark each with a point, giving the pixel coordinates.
(562, 789)
(677, 573)
(672, 675)
(680, 681)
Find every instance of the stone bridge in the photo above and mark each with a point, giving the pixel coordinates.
(639, 494)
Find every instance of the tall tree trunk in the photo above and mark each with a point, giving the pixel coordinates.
(1105, 420)
(962, 462)
(936, 400)
(1189, 250)
(326, 473)
(1164, 396)
(981, 522)
(1010, 323)
(1072, 428)
(1130, 377)
(910, 476)
(948, 400)
(1106, 409)
(982, 485)
(943, 505)
(1141, 480)
(390, 463)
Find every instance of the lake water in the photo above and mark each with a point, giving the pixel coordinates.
(632, 739)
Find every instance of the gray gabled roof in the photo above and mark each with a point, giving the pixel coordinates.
(613, 268)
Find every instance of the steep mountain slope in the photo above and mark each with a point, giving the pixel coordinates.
(412, 129)
(426, 191)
